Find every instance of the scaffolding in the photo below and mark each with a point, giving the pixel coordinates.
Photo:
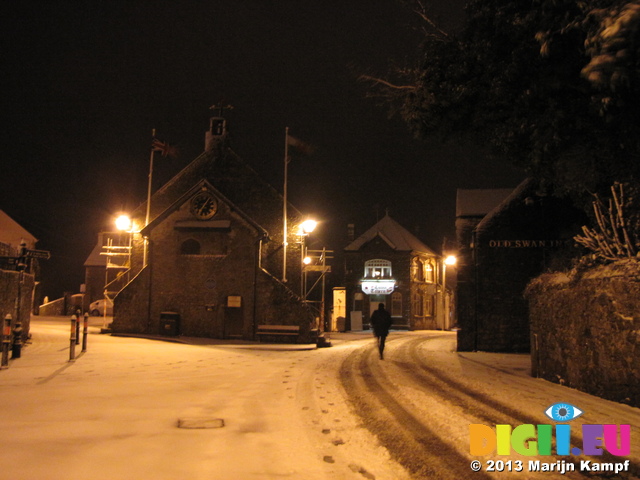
(116, 248)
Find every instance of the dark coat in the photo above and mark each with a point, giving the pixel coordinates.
(381, 322)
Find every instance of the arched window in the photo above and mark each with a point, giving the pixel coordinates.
(429, 274)
(190, 247)
(377, 269)
(417, 268)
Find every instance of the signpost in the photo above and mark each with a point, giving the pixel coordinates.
(41, 254)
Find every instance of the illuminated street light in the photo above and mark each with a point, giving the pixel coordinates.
(124, 223)
(308, 226)
(450, 260)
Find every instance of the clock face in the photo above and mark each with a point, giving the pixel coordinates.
(204, 205)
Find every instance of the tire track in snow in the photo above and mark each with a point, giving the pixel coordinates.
(414, 445)
(386, 403)
(487, 409)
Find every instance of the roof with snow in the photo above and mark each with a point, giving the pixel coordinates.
(479, 202)
(12, 233)
(526, 188)
(393, 234)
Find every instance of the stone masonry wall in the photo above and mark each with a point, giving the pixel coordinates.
(9, 293)
(585, 330)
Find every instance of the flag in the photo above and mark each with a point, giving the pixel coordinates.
(299, 145)
(164, 148)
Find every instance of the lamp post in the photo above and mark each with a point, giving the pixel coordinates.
(450, 260)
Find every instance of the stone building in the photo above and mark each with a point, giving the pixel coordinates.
(388, 264)
(18, 278)
(505, 239)
(210, 260)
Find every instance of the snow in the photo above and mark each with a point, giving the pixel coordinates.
(114, 412)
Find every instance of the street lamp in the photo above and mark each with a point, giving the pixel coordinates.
(450, 260)
(124, 223)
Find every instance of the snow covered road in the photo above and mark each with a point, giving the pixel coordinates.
(273, 411)
(421, 400)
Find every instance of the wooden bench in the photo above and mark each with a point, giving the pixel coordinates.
(278, 332)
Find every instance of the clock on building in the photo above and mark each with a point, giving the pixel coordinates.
(204, 205)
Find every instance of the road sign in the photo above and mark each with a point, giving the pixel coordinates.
(43, 254)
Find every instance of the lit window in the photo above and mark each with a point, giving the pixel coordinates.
(429, 276)
(377, 269)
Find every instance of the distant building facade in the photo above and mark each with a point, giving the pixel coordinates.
(505, 239)
(388, 264)
(209, 263)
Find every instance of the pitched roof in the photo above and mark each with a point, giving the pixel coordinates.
(202, 184)
(12, 233)
(526, 188)
(478, 202)
(230, 175)
(393, 234)
(95, 259)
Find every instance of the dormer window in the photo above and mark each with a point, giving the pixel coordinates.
(377, 269)
(377, 277)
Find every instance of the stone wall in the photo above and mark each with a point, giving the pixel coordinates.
(585, 330)
(12, 284)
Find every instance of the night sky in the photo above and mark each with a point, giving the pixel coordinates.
(85, 82)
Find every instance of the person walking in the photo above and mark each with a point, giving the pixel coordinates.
(381, 322)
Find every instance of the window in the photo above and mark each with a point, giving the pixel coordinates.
(377, 268)
(190, 247)
(429, 275)
(428, 305)
(418, 307)
(396, 304)
(417, 270)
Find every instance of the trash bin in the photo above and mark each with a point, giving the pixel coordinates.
(341, 324)
(170, 324)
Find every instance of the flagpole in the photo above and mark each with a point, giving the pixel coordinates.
(284, 207)
(147, 218)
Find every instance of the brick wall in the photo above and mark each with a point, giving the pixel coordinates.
(401, 271)
(522, 238)
(585, 330)
(197, 287)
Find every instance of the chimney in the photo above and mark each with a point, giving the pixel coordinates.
(217, 132)
(351, 232)
(217, 127)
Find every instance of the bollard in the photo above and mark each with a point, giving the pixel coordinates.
(72, 344)
(6, 340)
(16, 349)
(77, 327)
(85, 331)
